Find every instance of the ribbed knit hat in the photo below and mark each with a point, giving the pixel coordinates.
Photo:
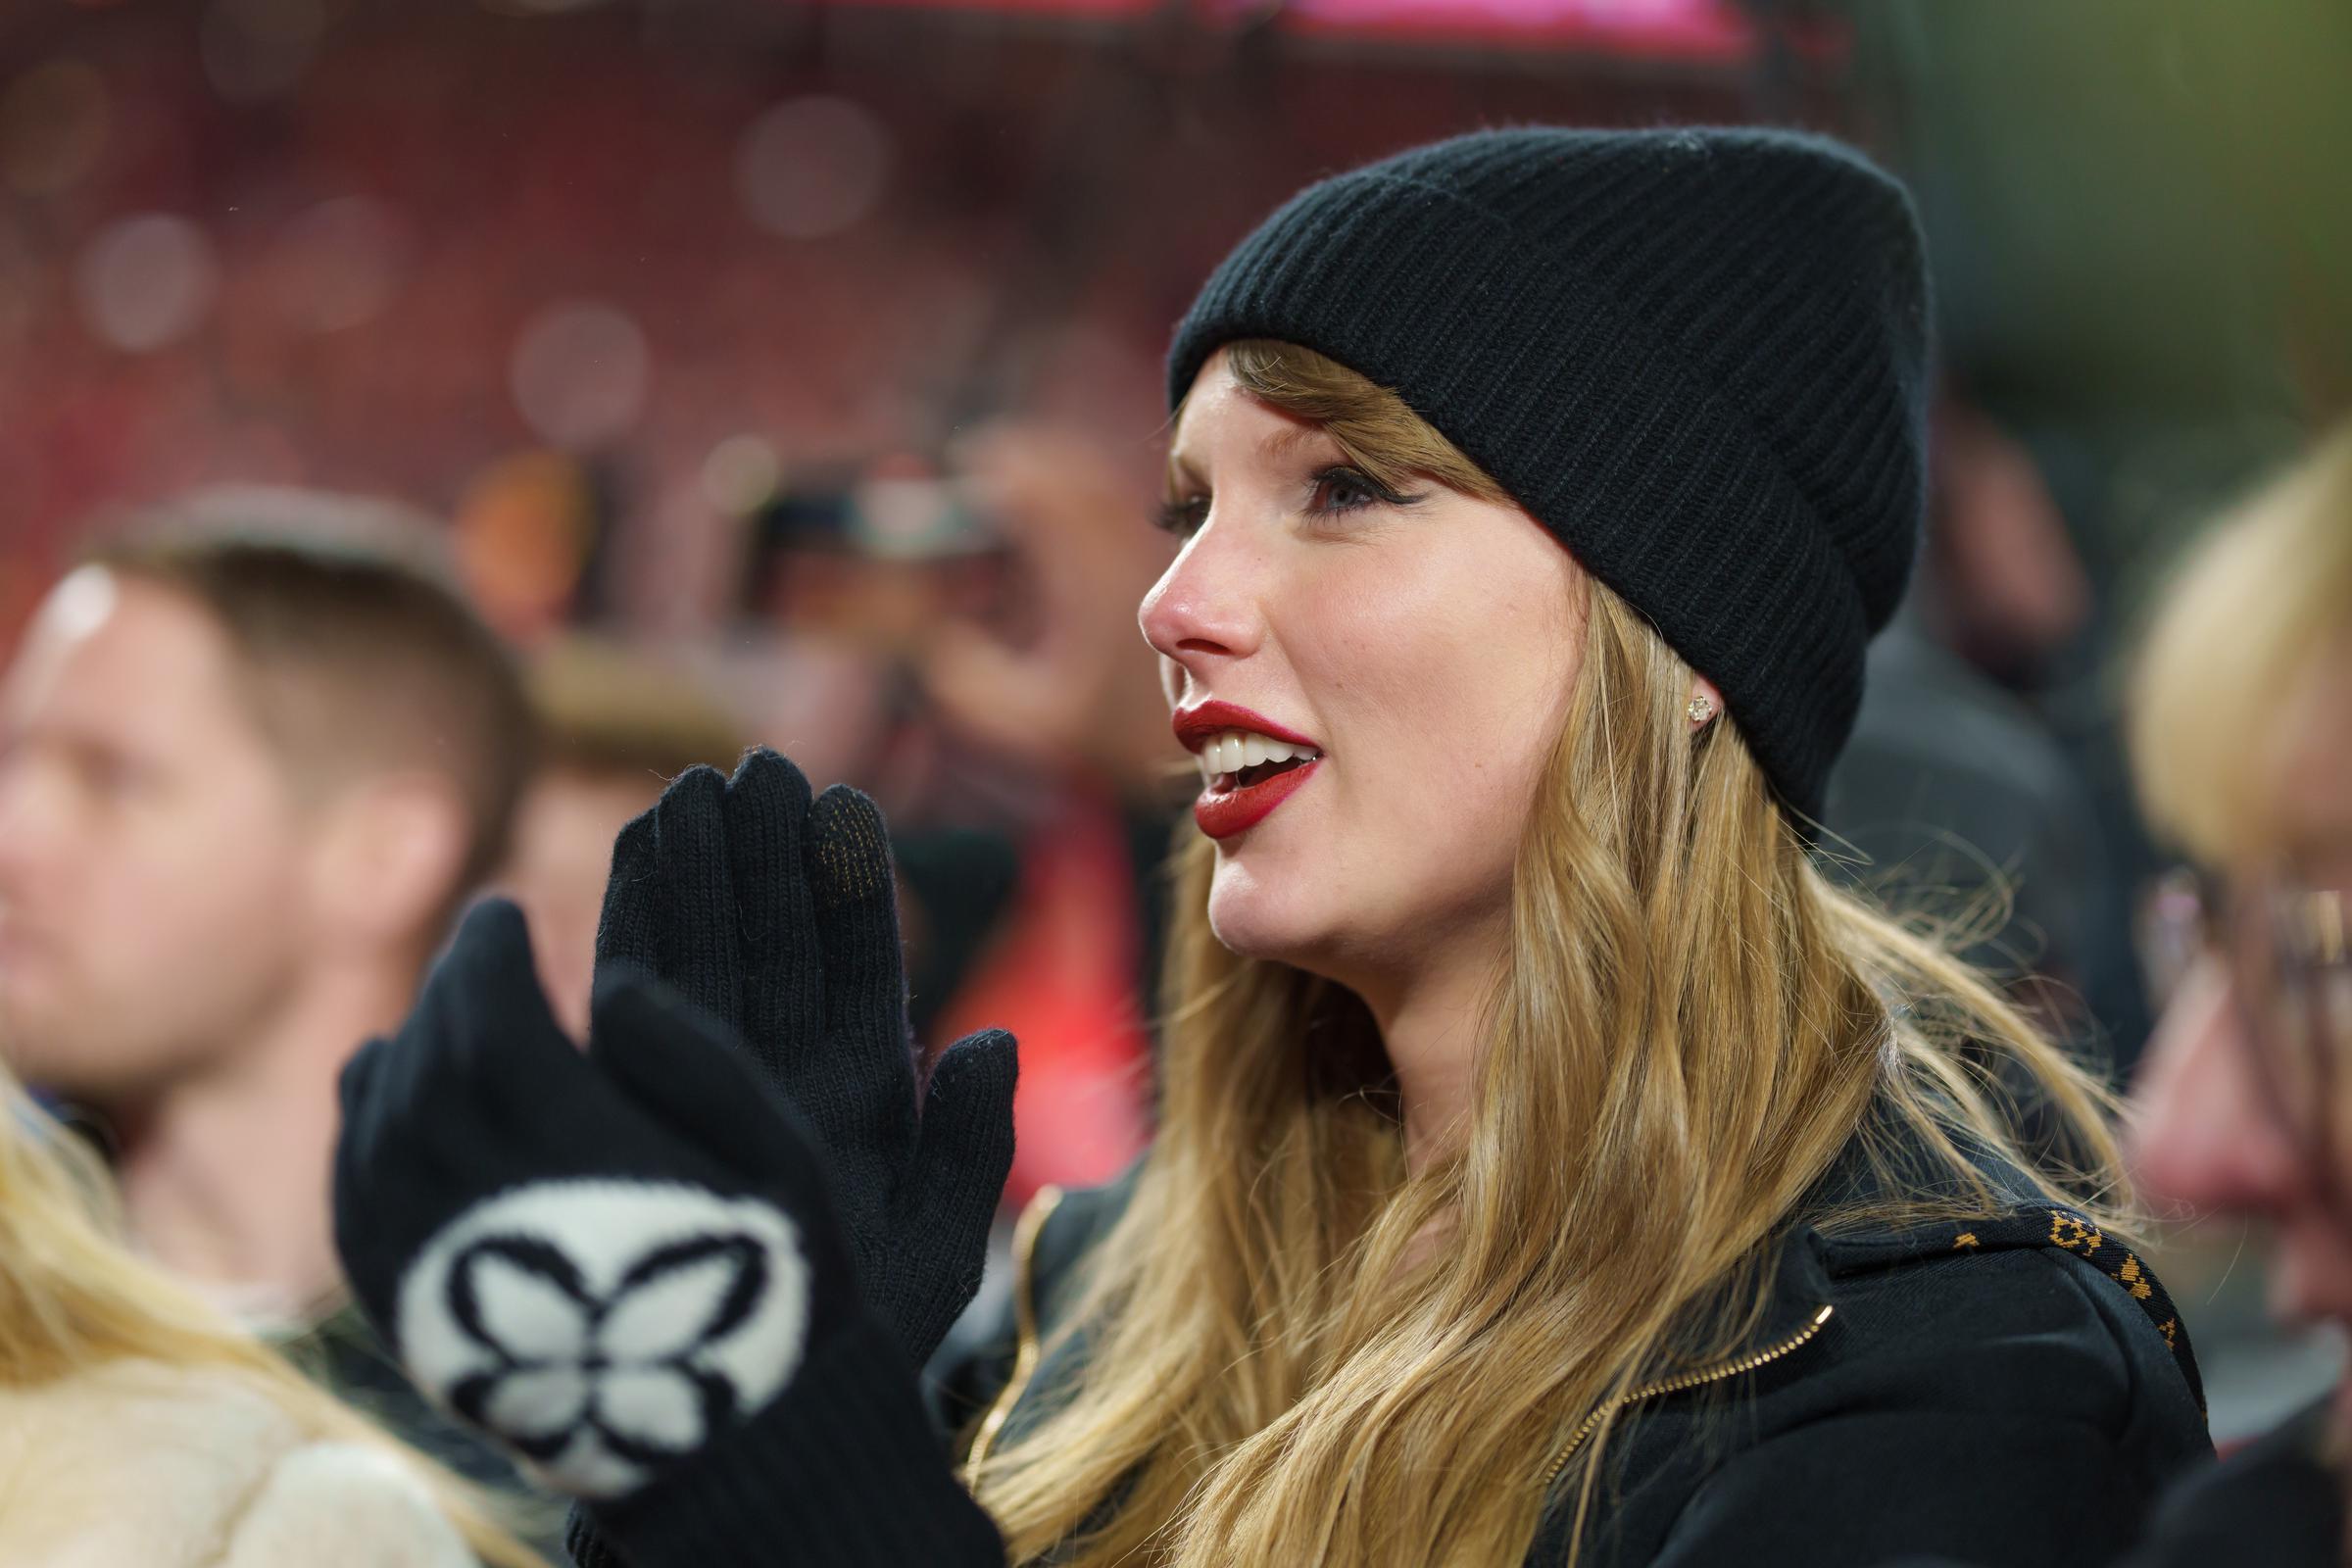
(1698, 357)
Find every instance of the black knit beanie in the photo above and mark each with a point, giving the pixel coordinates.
(1698, 356)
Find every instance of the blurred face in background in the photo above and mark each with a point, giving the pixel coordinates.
(1425, 643)
(2241, 737)
(2246, 1092)
(562, 852)
(150, 852)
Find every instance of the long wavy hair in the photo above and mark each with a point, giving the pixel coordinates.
(1690, 1025)
(74, 1299)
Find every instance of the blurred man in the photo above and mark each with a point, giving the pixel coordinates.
(614, 727)
(2242, 726)
(244, 783)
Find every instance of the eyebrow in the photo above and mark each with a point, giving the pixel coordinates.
(1275, 447)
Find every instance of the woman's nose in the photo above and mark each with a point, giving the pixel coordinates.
(2204, 1137)
(1207, 606)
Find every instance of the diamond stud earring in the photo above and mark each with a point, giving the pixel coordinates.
(1701, 709)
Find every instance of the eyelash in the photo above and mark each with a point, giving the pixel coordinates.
(1184, 518)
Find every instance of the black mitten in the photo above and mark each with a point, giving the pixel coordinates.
(780, 917)
(625, 1266)
(604, 1260)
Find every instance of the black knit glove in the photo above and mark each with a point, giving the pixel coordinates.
(623, 1265)
(779, 917)
(604, 1260)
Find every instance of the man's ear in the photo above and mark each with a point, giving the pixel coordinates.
(386, 857)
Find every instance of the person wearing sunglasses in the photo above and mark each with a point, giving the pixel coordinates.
(2242, 732)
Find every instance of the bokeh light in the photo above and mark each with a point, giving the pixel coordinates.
(147, 281)
(813, 166)
(741, 473)
(339, 263)
(579, 373)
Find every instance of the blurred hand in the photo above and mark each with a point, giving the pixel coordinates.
(1085, 691)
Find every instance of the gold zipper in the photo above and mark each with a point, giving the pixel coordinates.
(1676, 1384)
(1024, 1315)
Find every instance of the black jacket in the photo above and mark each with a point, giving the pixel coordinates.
(2015, 1392)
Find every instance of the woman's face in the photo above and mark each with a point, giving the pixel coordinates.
(1422, 644)
(2244, 1098)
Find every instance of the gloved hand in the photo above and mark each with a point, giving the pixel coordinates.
(780, 918)
(604, 1261)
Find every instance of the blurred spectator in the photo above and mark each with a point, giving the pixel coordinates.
(2009, 584)
(614, 728)
(1066, 685)
(2242, 734)
(139, 1425)
(1013, 730)
(244, 783)
(1080, 690)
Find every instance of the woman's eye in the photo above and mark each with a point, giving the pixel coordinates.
(1342, 489)
(1182, 518)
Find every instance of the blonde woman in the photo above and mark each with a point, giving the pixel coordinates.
(2241, 729)
(137, 1425)
(1554, 1165)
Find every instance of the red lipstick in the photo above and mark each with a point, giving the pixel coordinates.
(1222, 813)
(1193, 725)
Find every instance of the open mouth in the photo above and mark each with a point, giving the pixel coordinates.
(1237, 760)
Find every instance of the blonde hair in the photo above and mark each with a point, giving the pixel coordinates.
(2253, 608)
(1693, 1024)
(73, 1297)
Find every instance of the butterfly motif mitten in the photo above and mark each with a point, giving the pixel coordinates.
(623, 1264)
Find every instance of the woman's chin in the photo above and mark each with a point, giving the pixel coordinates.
(1257, 921)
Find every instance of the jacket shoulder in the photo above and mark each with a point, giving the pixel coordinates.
(2109, 1282)
(2016, 1399)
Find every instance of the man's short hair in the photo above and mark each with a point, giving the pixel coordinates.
(356, 657)
(611, 711)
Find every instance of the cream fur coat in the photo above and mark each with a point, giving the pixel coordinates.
(138, 1465)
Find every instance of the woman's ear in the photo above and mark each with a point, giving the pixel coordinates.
(1706, 702)
(387, 854)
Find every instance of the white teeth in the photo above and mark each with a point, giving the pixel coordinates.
(1231, 750)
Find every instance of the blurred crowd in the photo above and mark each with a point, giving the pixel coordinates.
(430, 429)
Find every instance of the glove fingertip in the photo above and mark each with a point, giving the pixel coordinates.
(763, 771)
(966, 1138)
(848, 846)
(979, 1071)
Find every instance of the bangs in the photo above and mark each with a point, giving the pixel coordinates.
(1369, 423)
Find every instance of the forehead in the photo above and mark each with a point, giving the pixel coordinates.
(1220, 421)
(106, 654)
